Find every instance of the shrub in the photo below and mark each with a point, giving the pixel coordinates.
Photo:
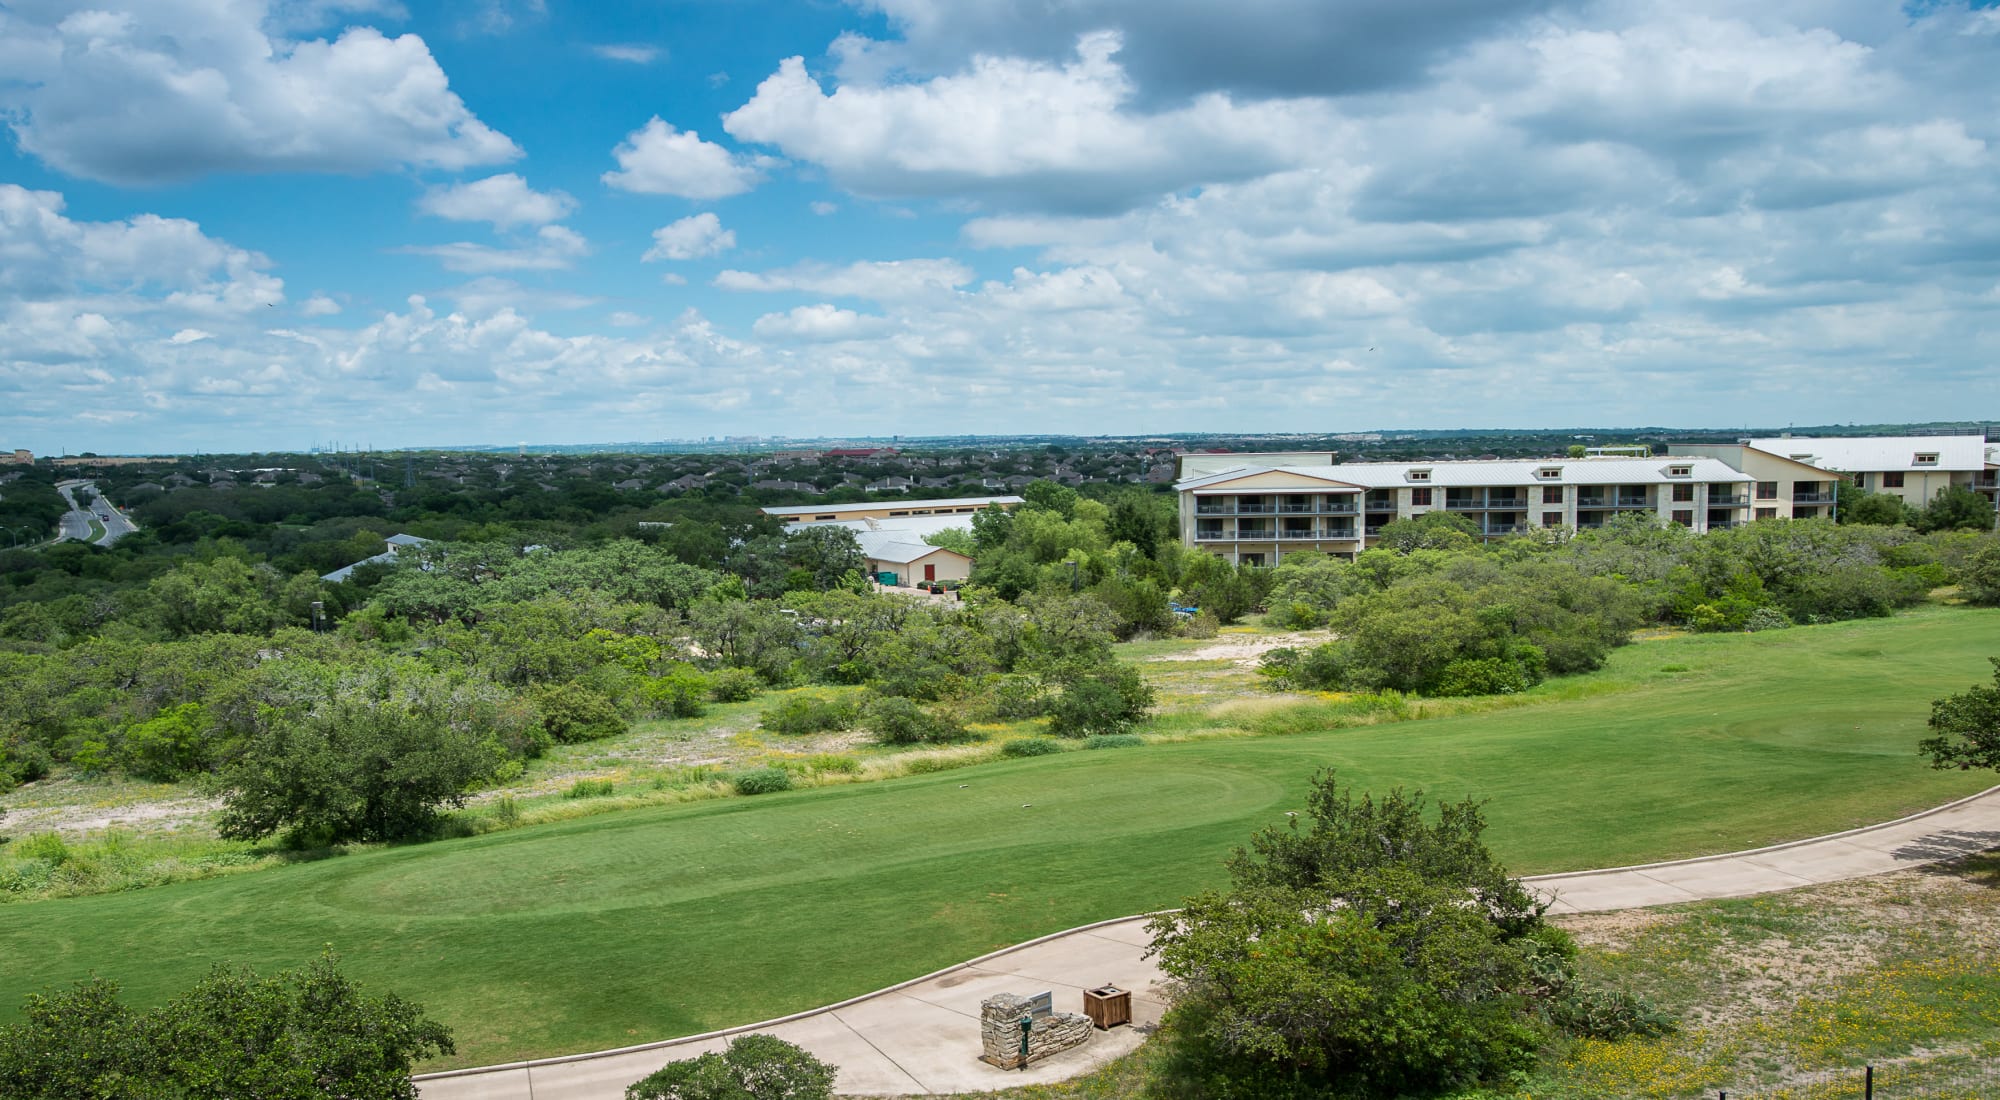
(1201, 624)
(761, 780)
(1297, 615)
(590, 788)
(832, 763)
(573, 712)
(755, 1067)
(1030, 746)
(1766, 618)
(801, 715)
(1106, 700)
(1481, 676)
(1113, 741)
(899, 721)
(733, 685)
(506, 811)
(1014, 697)
(682, 693)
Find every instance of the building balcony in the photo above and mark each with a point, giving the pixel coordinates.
(1812, 498)
(1227, 508)
(1381, 506)
(1253, 508)
(1459, 505)
(1632, 502)
(1739, 501)
(1496, 530)
(1321, 534)
(1593, 502)
(1340, 508)
(1297, 509)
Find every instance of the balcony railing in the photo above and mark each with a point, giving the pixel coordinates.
(1462, 505)
(1340, 508)
(1812, 498)
(1317, 534)
(1633, 502)
(1381, 505)
(1739, 501)
(1252, 508)
(1593, 502)
(1298, 509)
(1224, 509)
(1493, 530)
(1506, 504)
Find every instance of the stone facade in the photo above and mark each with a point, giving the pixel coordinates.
(1000, 1031)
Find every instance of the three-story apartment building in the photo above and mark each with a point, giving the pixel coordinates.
(1254, 512)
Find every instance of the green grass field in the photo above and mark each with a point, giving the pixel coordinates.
(663, 921)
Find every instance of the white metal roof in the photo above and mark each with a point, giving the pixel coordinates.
(860, 505)
(1466, 475)
(909, 528)
(1889, 452)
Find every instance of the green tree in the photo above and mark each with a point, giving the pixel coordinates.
(306, 1034)
(1979, 575)
(1956, 508)
(1375, 952)
(1853, 504)
(369, 754)
(1430, 531)
(1967, 727)
(755, 1067)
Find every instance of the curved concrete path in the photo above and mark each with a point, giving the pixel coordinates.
(921, 1037)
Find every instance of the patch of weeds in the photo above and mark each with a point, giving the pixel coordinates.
(1113, 741)
(766, 780)
(590, 788)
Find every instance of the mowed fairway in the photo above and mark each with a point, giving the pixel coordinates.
(653, 923)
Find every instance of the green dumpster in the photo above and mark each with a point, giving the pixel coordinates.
(886, 577)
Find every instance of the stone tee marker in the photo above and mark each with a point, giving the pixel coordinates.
(1049, 1032)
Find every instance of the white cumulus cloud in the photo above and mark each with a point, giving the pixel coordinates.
(139, 93)
(658, 159)
(1021, 132)
(505, 200)
(691, 238)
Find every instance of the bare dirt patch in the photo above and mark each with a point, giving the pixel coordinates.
(1244, 651)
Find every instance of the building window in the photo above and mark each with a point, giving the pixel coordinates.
(1926, 458)
(1767, 490)
(1552, 494)
(1552, 519)
(1549, 472)
(1767, 513)
(1420, 498)
(1684, 517)
(1680, 471)
(1683, 494)
(1892, 479)
(1250, 559)
(816, 519)
(1420, 475)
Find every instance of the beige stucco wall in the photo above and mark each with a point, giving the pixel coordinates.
(951, 566)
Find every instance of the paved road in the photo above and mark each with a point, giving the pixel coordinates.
(76, 521)
(922, 1037)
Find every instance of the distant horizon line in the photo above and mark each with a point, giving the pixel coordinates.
(697, 446)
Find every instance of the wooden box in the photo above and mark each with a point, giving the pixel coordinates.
(1108, 1006)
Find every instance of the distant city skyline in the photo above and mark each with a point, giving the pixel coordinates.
(240, 225)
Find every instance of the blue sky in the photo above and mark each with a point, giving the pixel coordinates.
(264, 224)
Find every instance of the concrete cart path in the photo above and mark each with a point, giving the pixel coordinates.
(922, 1037)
